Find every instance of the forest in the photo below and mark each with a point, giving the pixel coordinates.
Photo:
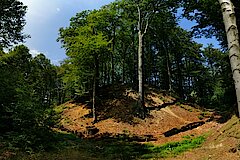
(128, 65)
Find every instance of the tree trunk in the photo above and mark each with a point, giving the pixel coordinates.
(141, 32)
(168, 67)
(108, 74)
(229, 19)
(94, 98)
(169, 73)
(95, 86)
(97, 72)
(123, 64)
(102, 82)
(105, 73)
(112, 57)
(140, 71)
(135, 61)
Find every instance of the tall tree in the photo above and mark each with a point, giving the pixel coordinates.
(21, 98)
(145, 10)
(143, 22)
(85, 45)
(12, 21)
(204, 12)
(231, 29)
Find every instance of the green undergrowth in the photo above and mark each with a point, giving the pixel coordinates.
(59, 109)
(172, 149)
(71, 147)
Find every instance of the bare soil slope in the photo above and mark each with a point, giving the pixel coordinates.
(167, 120)
(116, 115)
(222, 144)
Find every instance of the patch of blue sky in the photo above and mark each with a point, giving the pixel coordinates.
(187, 25)
(44, 18)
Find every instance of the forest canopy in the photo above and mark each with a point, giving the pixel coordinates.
(173, 61)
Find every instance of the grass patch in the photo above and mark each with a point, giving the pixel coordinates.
(173, 148)
(59, 109)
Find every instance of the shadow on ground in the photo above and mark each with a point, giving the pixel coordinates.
(120, 103)
(220, 115)
(107, 147)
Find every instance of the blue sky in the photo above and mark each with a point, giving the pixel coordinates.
(45, 17)
(186, 24)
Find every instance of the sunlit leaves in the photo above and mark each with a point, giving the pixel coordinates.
(12, 21)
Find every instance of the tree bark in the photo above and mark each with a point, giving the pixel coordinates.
(123, 64)
(95, 86)
(179, 74)
(140, 61)
(135, 61)
(169, 73)
(112, 56)
(108, 74)
(168, 67)
(231, 29)
(140, 71)
(94, 98)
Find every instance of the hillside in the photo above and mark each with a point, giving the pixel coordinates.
(172, 130)
(223, 143)
(167, 120)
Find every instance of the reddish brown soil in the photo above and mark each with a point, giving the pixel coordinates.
(158, 122)
(116, 117)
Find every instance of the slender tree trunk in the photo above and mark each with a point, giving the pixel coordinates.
(105, 74)
(123, 64)
(108, 73)
(179, 74)
(229, 19)
(112, 57)
(141, 32)
(102, 74)
(168, 67)
(123, 71)
(97, 72)
(135, 62)
(112, 63)
(94, 98)
(95, 86)
(140, 71)
(169, 73)
(63, 96)
(155, 78)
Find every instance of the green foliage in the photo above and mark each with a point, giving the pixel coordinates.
(12, 21)
(104, 43)
(173, 148)
(85, 45)
(26, 96)
(208, 16)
